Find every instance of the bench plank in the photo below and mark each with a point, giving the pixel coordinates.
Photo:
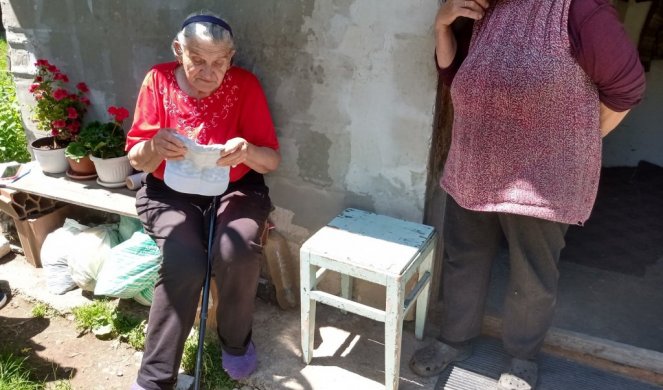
(85, 193)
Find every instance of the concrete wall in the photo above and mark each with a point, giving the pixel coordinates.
(351, 85)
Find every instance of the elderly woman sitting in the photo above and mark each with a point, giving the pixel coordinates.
(204, 97)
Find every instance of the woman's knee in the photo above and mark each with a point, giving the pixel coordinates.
(183, 263)
(237, 248)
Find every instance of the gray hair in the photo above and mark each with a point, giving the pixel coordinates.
(203, 31)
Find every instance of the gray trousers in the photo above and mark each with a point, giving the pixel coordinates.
(178, 223)
(471, 241)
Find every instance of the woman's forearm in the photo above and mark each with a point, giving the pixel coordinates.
(449, 11)
(609, 119)
(143, 157)
(445, 45)
(262, 159)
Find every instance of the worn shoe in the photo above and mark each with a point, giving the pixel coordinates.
(3, 299)
(240, 367)
(435, 357)
(521, 375)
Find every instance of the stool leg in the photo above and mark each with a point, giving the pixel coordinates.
(422, 300)
(393, 331)
(346, 288)
(308, 305)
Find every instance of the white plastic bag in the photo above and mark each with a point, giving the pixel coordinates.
(89, 253)
(131, 270)
(57, 246)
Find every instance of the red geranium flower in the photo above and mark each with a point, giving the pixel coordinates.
(58, 110)
(120, 113)
(60, 94)
(62, 77)
(58, 124)
(82, 87)
(74, 126)
(72, 113)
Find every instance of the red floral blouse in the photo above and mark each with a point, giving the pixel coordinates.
(238, 108)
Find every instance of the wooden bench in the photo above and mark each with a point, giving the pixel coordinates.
(86, 193)
(31, 202)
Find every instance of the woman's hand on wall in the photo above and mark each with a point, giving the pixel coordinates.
(450, 10)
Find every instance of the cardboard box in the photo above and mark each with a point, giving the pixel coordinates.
(33, 231)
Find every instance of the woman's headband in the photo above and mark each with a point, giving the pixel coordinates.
(208, 19)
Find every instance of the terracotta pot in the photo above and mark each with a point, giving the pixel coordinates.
(50, 159)
(81, 169)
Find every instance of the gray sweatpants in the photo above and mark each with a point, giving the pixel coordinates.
(178, 224)
(471, 241)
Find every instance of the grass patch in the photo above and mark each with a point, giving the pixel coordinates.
(93, 315)
(42, 310)
(61, 385)
(103, 315)
(132, 331)
(13, 144)
(214, 377)
(14, 375)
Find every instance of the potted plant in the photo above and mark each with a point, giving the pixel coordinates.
(58, 112)
(105, 143)
(78, 157)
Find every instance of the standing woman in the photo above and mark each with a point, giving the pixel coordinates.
(534, 90)
(204, 97)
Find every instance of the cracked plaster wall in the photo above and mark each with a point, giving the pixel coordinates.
(350, 84)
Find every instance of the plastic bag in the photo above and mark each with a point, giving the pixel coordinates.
(129, 226)
(146, 296)
(131, 270)
(92, 248)
(54, 252)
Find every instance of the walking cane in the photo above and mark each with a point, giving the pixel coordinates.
(203, 307)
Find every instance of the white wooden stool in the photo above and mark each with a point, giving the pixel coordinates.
(379, 249)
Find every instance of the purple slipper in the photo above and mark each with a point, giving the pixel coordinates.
(240, 367)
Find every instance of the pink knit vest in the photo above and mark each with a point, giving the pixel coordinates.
(526, 136)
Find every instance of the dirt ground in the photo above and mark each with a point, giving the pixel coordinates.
(56, 350)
